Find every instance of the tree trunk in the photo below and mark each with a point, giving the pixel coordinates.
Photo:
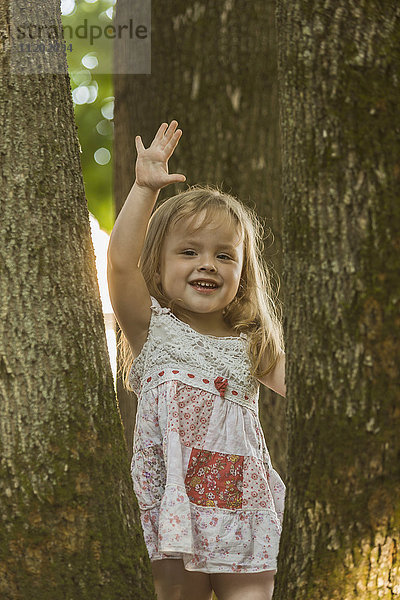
(69, 520)
(339, 65)
(214, 70)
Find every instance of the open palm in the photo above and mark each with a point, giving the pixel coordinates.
(152, 162)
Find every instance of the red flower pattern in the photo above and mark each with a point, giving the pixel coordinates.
(215, 479)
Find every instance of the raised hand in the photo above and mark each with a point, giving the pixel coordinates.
(152, 162)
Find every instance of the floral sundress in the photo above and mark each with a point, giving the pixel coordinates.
(201, 470)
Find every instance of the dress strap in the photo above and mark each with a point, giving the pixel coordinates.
(157, 308)
(155, 302)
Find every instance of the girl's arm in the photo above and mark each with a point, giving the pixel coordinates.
(127, 236)
(275, 379)
(129, 295)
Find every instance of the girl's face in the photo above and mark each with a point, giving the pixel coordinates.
(213, 253)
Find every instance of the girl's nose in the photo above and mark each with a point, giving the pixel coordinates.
(207, 267)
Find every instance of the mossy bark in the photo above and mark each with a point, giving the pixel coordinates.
(214, 70)
(339, 65)
(69, 520)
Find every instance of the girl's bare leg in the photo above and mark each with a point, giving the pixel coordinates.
(243, 586)
(173, 582)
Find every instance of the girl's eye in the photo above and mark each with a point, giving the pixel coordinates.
(225, 255)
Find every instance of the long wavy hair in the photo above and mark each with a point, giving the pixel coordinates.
(255, 310)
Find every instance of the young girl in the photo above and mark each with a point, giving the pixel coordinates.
(193, 297)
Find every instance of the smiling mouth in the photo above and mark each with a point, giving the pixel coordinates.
(204, 287)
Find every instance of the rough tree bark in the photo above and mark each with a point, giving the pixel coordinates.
(214, 69)
(339, 64)
(69, 520)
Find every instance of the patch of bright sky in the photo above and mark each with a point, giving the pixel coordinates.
(100, 241)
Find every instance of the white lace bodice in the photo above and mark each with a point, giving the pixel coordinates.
(173, 350)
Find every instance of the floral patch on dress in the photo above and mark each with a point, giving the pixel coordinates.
(215, 479)
(256, 491)
(149, 475)
(190, 413)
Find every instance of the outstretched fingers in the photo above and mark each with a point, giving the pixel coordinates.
(160, 133)
(172, 144)
(152, 162)
(167, 137)
(164, 134)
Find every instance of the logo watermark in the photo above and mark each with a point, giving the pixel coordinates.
(123, 47)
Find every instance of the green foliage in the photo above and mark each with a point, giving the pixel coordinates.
(93, 96)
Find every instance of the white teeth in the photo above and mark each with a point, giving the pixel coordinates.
(203, 284)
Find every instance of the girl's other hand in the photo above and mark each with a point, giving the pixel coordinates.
(152, 162)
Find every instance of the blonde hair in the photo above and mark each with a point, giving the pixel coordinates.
(255, 310)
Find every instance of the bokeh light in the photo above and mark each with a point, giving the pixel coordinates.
(107, 110)
(90, 60)
(102, 156)
(67, 7)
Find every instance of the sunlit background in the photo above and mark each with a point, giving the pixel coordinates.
(93, 97)
(100, 244)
